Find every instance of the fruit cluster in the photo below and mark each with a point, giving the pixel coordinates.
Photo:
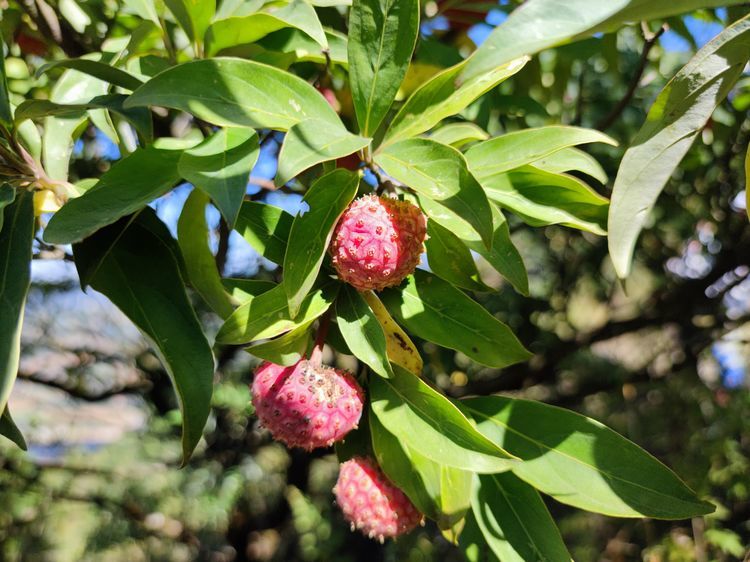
(377, 243)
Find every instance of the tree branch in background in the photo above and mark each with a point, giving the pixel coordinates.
(650, 40)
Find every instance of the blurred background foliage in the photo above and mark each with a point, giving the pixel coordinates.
(664, 360)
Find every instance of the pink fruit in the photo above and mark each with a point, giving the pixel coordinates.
(371, 503)
(306, 406)
(377, 242)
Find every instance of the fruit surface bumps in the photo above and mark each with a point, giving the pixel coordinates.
(377, 242)
(306, 406)
(371, 503)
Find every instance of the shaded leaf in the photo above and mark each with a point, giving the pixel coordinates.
(97, 69)
(459, 134)
(679, 113)
(562, 449)
(572, 160)
(8, 427)
(242, 290)
(427, 422)
(361, 330)
(287, 349)
(192, 235)
(311, 232)
(450, 259)
(127, 187)
(514, 520)
(221, 167)
(194, 16)
(382, 35)
(438, 312)
(266, 228)
(148, 288)
(6, 115)
(311, 142)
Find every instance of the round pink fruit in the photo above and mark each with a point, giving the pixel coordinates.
(306, 406)
(377, 242)
(371, 503)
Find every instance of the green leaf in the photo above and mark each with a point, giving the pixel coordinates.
(450, 259)
(747, 181)
(8, 427)
(311, 142)
(382, 35)
(7, 196)
(127, 187)
(459, 134)
(311, 232)
(266, 228)
(572, 160)
(427, 422)
(361, 330)
(288, 349)
(148, 288)
(243, 290)
(519, 148)
(139, 117)
(97, 69)
(245, 29)
(235, 92)
(439, 172)
(194, 16)
(434, 310)
(192, 235)
(541, 198)
(267, 315)
(6, 115)
(57, 141)
(442, 493)
(439, 98)
(221, 167)
(146, 9)
(679, 113)
(303, 47)
(514, 520)
(15, 276)
(562, 449)
(541, 24)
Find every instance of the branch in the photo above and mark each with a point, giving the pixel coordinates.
(614, 115)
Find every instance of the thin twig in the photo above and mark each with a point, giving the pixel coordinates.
(650, 40)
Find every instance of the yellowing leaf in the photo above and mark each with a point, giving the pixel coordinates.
(399, 348)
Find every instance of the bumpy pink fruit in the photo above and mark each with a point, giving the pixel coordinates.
(377, 242)
(371, 503)
(306, 406)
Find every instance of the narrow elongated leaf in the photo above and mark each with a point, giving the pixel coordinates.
(267, 315)
(235, 92)
(148, 288)
(192, 235)
(572, 160)
(139, 117)
(266, 228)
(427, 422)
(287, 349)
(747, 181)
(97, 69)
(441, 492)
(362, 332)
(382, 35)
(472, 543)
(459, 134)
(561, 449)
(243, 290)
(146, 9)
(399, 348)
(311, 233)
(127, 187)
(194, 16)
(450, 259)
(439, 98)
(438, 312)
(439, 172)
(15, 276)
(519, 148)
(541, 198)
(514, 520)
(242, 28)
(303, 48)
(7, 196)
(311, 142)
(221, 167)
(679, 113)
(6, 115)
(9, 429)
(541, 24)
